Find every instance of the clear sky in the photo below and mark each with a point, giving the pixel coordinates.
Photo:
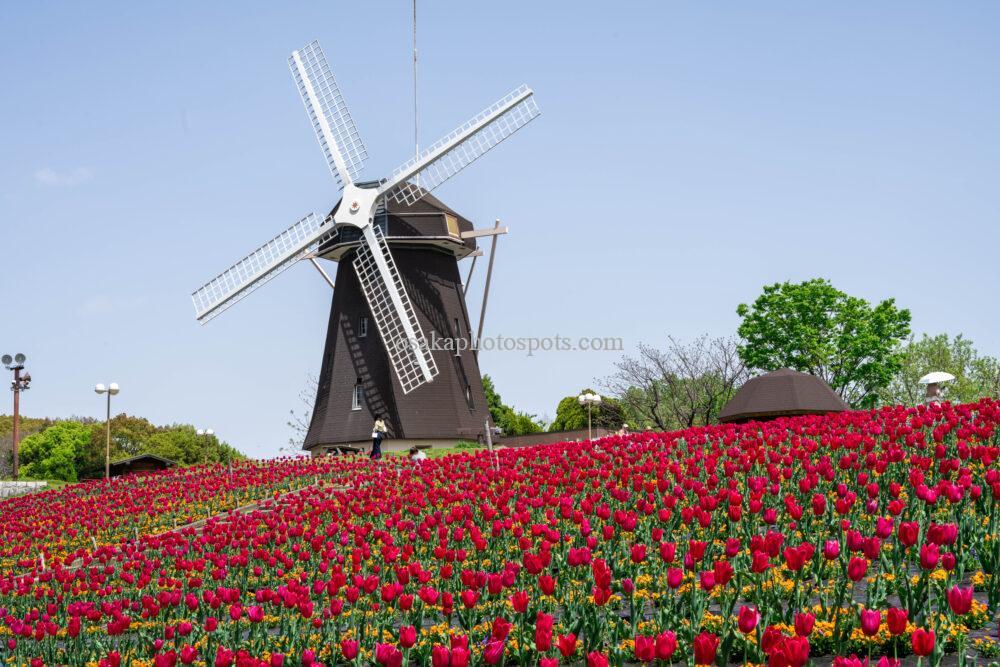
(687, 154)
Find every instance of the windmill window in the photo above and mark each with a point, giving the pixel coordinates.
(468, 396)
(359, 395)
(363, 326)
(452, 224)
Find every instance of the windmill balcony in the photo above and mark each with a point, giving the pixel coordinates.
(437, 229)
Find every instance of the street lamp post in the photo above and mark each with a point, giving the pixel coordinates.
(589, 400)
(208, 433)
(110, 390)
(20, 383)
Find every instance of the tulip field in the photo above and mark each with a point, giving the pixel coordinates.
(852, 539)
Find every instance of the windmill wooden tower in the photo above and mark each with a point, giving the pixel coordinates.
(389, 306)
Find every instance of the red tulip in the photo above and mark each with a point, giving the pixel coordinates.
(493, 652)
(543, 632)
(602, 573)
(922, 642)
(595, 659)
(960, 599)
(794, 559)
(747, 619)
(771, 639)
(519, 601)
(388, 655)
(795, 651)
(460, 657)
(857, 568)
(645, 648)
(895, 619)
(469, 598)
(804, 622)
(666, 644)
(908, 532)
(407, 636)
(929, 556)
(223, 657)
(349, 649)
(188, 654)
(871, 621)
(566, 644)
(500, 628)
(705, 646)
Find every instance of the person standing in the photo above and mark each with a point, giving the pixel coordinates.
(378, 431)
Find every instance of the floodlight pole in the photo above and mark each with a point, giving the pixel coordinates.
(110, 390)
(21, 383)
(590, 400)
(207, 433)
(107, 440)
(17, 416)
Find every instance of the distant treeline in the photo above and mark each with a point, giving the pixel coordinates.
(73, 449)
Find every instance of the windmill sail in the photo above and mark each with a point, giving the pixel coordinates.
(260, 266)
(331, 120)
(461, 147)
(395, 319)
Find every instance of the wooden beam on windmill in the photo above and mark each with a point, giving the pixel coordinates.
(478, 233)
(468, 278)
(311, 256)
(495, 232)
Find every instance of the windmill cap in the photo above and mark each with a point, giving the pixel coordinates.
(936, 377)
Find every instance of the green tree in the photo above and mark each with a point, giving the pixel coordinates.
(986, 371)
(128, 437)
(974, 374)
(815, 328)
(571, 416)
(51, 454)
(181, 443)
(510, 421)
(28, 425)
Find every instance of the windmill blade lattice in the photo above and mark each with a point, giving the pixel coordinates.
(401, 333)
(461, 147)
(331, 120)
(260, 266)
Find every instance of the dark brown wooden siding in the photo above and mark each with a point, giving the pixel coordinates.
(436, 410)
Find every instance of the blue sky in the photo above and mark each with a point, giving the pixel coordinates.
(688, 154)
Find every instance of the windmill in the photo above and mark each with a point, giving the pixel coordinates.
(429, 238)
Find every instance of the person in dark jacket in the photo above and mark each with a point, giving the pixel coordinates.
(378, 431)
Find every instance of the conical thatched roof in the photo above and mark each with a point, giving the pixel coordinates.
(782, 393)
